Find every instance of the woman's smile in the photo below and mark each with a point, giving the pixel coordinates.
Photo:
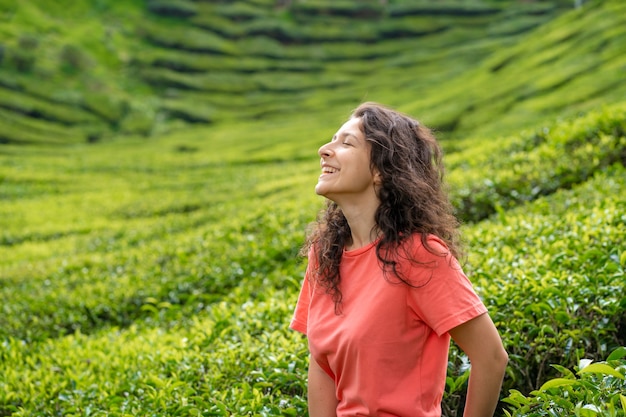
(327, 169)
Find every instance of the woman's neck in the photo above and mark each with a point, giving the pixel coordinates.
(363, 227)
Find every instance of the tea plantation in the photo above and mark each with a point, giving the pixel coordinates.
(157, 164)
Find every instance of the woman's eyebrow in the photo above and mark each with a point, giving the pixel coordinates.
(344, 134)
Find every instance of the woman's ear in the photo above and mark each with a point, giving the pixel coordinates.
(378, 180)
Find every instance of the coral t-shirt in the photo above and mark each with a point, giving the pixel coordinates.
(387, 350)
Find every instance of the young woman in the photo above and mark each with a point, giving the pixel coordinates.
(383, 291)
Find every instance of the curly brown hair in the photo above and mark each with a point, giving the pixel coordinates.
(413, 199)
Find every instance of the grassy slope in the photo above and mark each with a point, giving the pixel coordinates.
(173, 260)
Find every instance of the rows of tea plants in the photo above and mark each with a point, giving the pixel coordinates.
(489, 175)
(142, 256)
(237, 358)
(161, 279)
(114, 253)
(564, 67)
(93, 71)
(105, 217)
(553, 283)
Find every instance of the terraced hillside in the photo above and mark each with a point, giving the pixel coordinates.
(94, 70)
(155, 189)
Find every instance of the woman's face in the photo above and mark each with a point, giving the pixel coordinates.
(345, 162)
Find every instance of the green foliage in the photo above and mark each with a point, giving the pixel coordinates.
(153, 277)
(167, 279)
(194, 113)
(445, 7)
(22, 56)
(554, 71)
(597, 389)
(553, 284)
(26, 130)
(233, 361)
(154, 325)
(536, 163)
(366, 9)
(111, 108)
(425, 51)
(178, 8)
(34, 106)
(184, 37)
(73, 59)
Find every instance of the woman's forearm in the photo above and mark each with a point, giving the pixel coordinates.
(480, 340)
(484, 387)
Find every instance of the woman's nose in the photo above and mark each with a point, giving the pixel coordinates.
(324, 150)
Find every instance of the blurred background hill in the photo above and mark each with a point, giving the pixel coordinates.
(89, 70)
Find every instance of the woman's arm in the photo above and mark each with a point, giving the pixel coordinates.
(321, 396)
(480, 341)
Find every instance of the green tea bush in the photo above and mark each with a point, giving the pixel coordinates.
(107, 106)
(552, 274)
(521, 25)
(446, 8)
(237, 360)
(166, 282)
(23, 55)
(208, 19)
(118, 239)
(194, 113)
(240, 11)
(286, 81)
(266, 47)
(364, 9)
(151, 277)
(211, 81)
(19, 129)
(178, 8)
(331, 39)
(139, 120)
(327, 29)
(524, 83)
(185, 61)
(73, 59)
(39, 108)
(184, 37)
(537, 163)
(411, 26)
(597, 389)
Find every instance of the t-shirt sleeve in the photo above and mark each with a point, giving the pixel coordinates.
(443, 296)
(300, 319)
(301, 313)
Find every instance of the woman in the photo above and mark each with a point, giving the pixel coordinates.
(383, 291)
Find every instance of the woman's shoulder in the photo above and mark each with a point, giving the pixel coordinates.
(424, 244)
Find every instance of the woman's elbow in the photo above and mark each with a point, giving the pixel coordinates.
(501, 357)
